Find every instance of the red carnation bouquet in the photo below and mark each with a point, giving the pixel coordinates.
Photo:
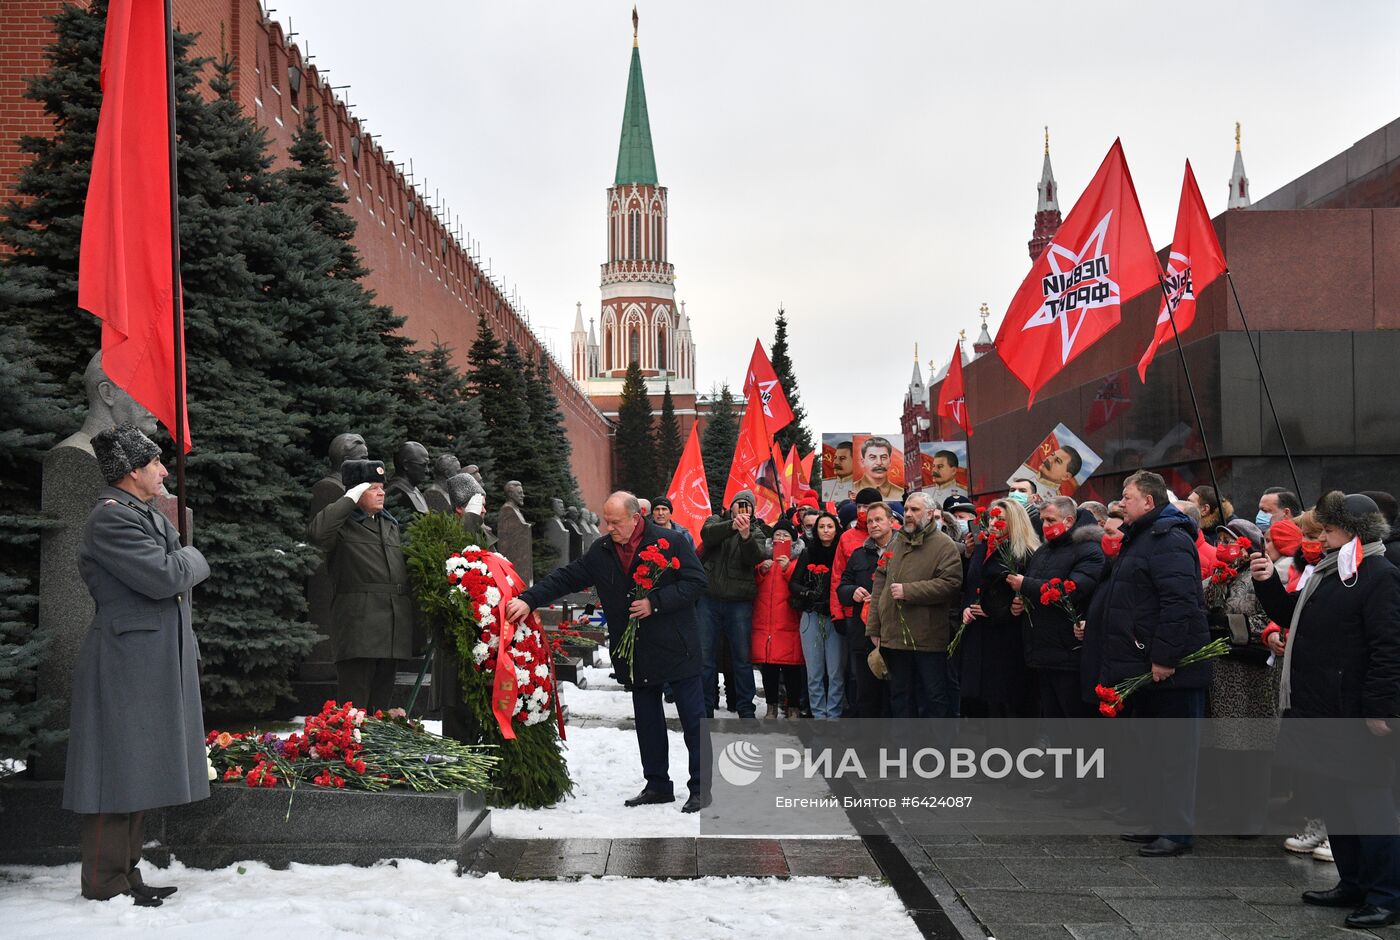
(653, 565)
(1231, 558)
(1113, 698)
(1058, 592)
(819, 573)
(999, 539)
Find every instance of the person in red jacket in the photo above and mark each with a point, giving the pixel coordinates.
(777, 635)
(1205, 551)
(851, 539)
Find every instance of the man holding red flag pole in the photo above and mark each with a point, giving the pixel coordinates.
(150, 752)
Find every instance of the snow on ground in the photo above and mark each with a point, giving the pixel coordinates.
(606, 770)
(418, 899)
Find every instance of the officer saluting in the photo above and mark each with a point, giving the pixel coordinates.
(137, 728)
(372, 613)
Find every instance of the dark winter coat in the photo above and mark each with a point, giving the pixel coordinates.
(1074, 556)
(777, 639)
(1392, 547)
(730, 558)
(1154, 609)
(372, 614)
(667, 642)
(137, 726)
(860, 573)
(990, 658)
(1345, 665)
(811, 593)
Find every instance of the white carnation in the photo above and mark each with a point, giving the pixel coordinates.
(479, 652)
(521, 676)
(493, 595)
(471, 548)
(542, 671)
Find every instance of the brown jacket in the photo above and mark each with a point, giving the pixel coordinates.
(930, 568)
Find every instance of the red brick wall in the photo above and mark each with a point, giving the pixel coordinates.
(415, 265)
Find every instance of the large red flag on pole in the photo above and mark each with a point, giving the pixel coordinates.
(952, 398)
(689, 492)
(751, 450)
(1196, 259)
(763, 378)
(125, 262)
(1101, 257)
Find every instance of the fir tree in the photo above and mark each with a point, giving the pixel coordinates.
(635, 442)
(341, 353)
(446, 418)
(668, 440)
(795, 433)
(32, 414)
(43, 223)
(556, 476)
(498, 386)
(717, 446)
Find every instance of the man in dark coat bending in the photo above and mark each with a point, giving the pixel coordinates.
(667, 648)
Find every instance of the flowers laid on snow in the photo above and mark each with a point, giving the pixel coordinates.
(470, 576)
(652, 566)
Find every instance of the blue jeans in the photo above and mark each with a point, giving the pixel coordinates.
(826, 666)
(732, 620)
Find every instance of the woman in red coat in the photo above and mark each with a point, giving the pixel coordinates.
(777, 637)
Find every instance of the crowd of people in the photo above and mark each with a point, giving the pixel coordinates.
(851, 611)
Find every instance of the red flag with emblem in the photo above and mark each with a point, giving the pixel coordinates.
(751, 451)
(689, 492)
(761, 376)
(1196, 259)
(952, 399)
(1100, 258)
(1114, 398)
(124, 256)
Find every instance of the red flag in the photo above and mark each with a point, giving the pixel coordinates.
(1114, 398)
(807, 467)
(1100, 257)
(689, 492)
(785, 478)
(801, 488)
(124, 258)
(1196, 260)
(952, 400)
(762, 377)
(750, 452)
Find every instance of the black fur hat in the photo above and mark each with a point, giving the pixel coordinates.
(355, 472)
(1355, 513)
(122, 449)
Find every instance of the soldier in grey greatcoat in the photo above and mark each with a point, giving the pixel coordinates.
(137, 729)
(372, 615)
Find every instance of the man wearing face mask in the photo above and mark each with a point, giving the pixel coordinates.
(850, 540)
(1023, 490)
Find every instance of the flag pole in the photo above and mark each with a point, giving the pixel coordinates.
(1268, 396)
(176, 300)
(1191, 388)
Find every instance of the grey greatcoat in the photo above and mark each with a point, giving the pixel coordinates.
(137, 727)
(372, 615)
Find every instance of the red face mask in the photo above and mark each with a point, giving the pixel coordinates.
(1312, 551)
(860, 515)
(1054, 531)
(1229, 552)
(1111, 546)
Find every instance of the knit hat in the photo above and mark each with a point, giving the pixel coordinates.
(1288, 538)
(743, 496)
(662, 501)
(122, 449)
(867, 496)
(782, 525)
(461, 487)
(1243, 528)
(355, 472)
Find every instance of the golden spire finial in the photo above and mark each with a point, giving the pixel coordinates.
(1237, 137)
(916, 352)
(1047, 140)
(962, 337)
(984, 312)
(932, 368)
(634, 26)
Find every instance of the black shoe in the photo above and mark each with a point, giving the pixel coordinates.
(1368, 915)
(141, 900)
(697, 802)
(649, 796)
(153, 891)
(1334, 897)
(1138, 837)
(1164, 848)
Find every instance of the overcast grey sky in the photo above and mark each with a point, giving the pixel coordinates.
(872, 166)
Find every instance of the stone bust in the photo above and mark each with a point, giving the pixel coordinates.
(402, 496)
(108, 406)
(474, 471)
(346, 446)
(556, 507)
(572, 514)
(445, 466)
(515, 494)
